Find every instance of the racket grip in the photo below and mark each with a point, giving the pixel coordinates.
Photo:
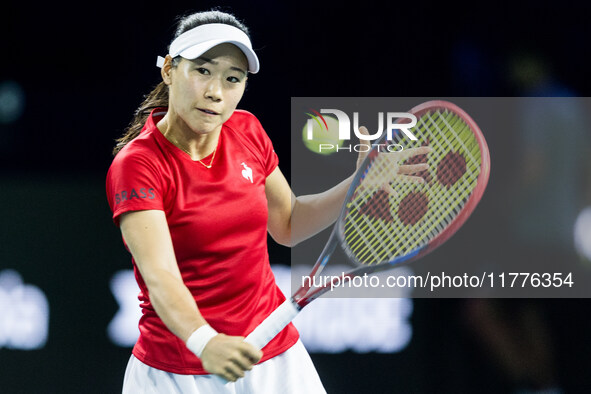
(273, 324)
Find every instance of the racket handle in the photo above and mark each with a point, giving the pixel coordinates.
(273, 324)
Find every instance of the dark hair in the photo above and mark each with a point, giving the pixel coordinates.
(158, 97)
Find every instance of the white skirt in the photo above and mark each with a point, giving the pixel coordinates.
(291, 372)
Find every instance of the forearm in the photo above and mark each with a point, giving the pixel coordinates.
(315, 212)
(175, 305)
(148, 239)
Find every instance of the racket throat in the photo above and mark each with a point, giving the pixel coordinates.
(299, 299)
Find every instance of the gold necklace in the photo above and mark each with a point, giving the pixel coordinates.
(189, 153)
(211, 161)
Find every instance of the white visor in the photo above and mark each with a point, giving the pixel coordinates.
(195, 42)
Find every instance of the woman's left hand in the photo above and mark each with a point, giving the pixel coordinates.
(406, 173)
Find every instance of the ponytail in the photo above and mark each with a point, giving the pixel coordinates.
(156, 98)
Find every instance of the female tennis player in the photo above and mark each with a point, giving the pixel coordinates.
(195, 186)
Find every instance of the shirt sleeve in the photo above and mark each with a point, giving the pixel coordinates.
(270, 160)
(133, 184)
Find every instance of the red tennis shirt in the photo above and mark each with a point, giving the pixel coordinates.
(218, 223)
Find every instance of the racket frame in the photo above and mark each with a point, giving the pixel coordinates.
(303, 296)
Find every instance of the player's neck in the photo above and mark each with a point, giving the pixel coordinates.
(196, 145)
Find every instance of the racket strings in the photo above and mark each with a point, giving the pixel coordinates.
(380, 226)
(439, 199)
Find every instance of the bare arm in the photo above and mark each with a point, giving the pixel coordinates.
(294, 219)
(146, 234)
(148, 238)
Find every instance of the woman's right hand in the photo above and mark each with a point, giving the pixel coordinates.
(229, 356)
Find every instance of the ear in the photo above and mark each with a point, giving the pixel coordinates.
(166, 70)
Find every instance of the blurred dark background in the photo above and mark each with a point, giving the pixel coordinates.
(71, 77)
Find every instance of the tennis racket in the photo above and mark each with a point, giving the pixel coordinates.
(378, 229)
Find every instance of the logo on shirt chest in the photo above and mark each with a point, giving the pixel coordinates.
(246, 172)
